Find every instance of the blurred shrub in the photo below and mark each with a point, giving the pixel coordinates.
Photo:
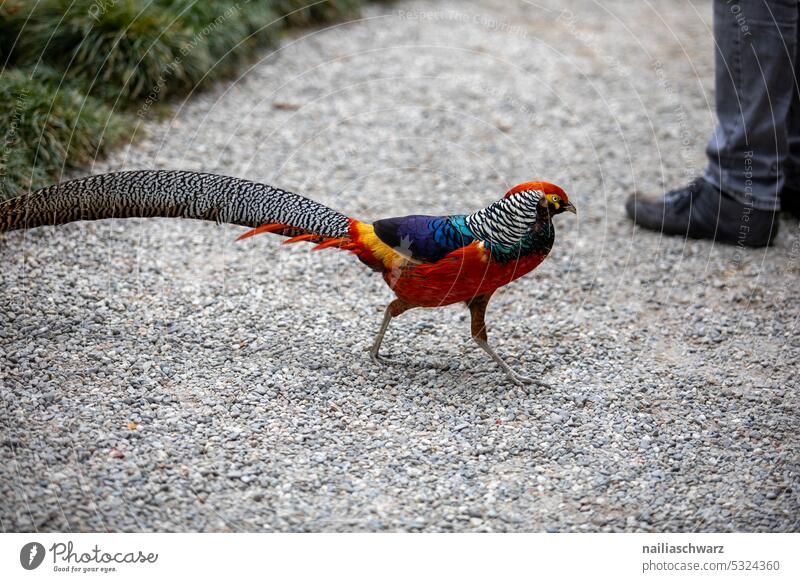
(230, 29)
(47, 129)
(83, 63)
(307, 12)
(116, 48)
(9, 28)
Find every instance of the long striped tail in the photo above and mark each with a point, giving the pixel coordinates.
(151, 193)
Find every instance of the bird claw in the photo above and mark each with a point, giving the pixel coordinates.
(379, 359)
(521, 380)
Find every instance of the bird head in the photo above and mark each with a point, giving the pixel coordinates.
(553, 198)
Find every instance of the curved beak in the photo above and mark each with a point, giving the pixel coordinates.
(571, 208)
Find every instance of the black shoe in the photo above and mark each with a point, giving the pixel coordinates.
(700, 210)
(790, 200)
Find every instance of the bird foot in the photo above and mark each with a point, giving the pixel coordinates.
(517, 379)
(382, 360)
(521, 380)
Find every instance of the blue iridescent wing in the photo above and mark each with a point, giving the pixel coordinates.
(424, 238)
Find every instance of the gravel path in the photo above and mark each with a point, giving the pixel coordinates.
(159, 376)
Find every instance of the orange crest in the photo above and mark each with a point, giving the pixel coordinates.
(545, 187)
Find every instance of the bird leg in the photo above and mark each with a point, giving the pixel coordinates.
(477, 309)
(394, 309)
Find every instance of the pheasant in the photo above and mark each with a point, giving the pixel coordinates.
(427, 261)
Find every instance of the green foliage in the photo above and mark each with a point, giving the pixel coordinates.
(116, 48)
(48, 129)
(230, 29)
(98, 60)
(9, 28)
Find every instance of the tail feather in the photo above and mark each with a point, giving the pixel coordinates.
(276, 228)
(331, 242)
(152, 193)
(162, 193)
(303, 237)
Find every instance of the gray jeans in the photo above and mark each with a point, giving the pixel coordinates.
(755, 148)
